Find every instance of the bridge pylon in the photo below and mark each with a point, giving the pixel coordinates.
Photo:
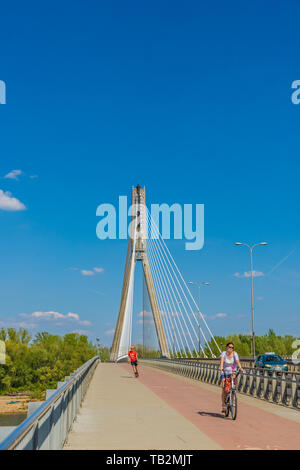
(136, 251)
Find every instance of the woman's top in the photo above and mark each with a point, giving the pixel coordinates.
(229, 363)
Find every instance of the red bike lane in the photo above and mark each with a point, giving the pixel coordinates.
(254, 428)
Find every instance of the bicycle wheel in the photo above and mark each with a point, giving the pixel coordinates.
(227, 407)
(233, 405)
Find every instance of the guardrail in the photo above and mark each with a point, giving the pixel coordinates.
(245, 361)
(48, 426)
(282, 388)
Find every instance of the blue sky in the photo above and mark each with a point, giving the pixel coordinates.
(192, 101)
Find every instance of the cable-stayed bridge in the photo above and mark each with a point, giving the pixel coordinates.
(175, 403)
(181, 329)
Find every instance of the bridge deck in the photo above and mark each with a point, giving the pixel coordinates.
(165, 411)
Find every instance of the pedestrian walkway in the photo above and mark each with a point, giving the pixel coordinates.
(120, 412)
(161, 410)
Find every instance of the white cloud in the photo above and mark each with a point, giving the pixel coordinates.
(260, 298)
(98, 292)
(109, 332)
(218, 315)
(13, 175)
(81, 332)
(52, 315)
(86, 272)
(73, 315)
(9, 203)
(19, 324)
(170, 313)
(146, 314)
(13, 323)
(89, 272)
(147, 321)
(248, 274)
(98, 270)
(25, 325)
(255, 274)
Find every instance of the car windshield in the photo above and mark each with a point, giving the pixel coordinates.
(273, 358)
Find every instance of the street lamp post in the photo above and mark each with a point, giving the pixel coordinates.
(199, 311)
(179, 303)
(173, 329)
(98, 345)
(252, 301)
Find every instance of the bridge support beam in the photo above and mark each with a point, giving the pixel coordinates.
(138, 252)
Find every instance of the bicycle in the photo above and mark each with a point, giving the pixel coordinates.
(231, 400)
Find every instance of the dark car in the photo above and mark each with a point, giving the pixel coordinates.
(271, 361)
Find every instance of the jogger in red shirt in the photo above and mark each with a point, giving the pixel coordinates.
(133, 360)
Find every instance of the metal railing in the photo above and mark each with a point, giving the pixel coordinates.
(48, 427)
(245, 361)
(281, 388)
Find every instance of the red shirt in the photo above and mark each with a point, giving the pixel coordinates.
(132, 355)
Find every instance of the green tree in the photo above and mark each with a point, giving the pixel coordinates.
(104, 354)
(40, 364)
(3, 334)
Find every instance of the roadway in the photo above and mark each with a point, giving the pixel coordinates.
(160, 410)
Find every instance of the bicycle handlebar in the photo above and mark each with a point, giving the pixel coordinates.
(235, 372)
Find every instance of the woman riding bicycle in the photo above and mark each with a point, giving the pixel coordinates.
(229, 362)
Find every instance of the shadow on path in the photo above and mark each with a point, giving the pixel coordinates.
(213, 415)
